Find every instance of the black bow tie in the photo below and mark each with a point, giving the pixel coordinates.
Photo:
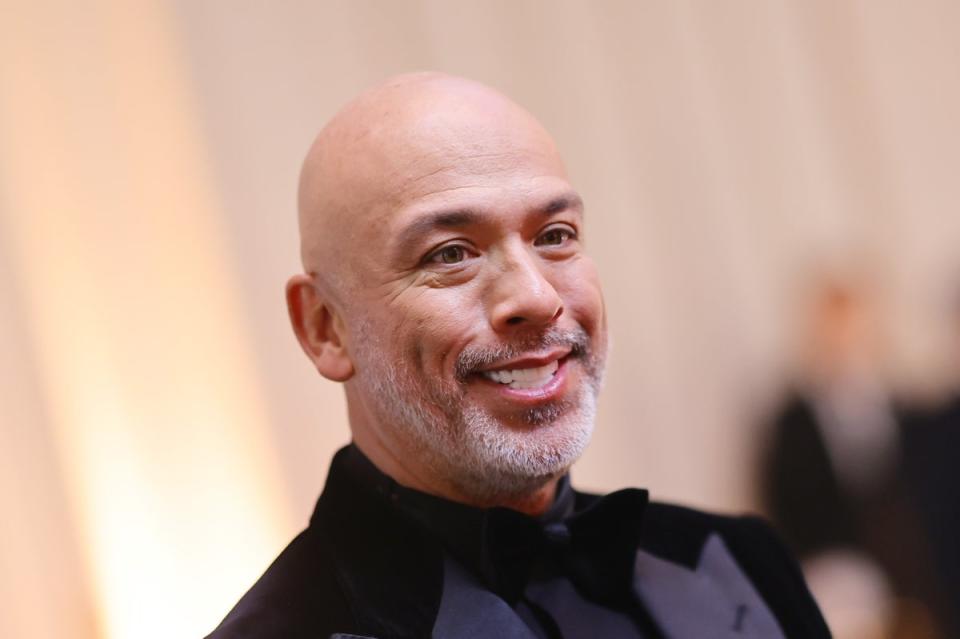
(595, 548)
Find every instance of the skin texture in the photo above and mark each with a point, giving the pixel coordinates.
(441, 238)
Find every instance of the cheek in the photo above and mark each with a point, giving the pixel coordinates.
(579, 286)
(441, 323)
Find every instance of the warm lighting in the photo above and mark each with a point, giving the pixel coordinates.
(139, 335)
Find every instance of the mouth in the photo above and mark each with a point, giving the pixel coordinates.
(533, 378)
(519, 377)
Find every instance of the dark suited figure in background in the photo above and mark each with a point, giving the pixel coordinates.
(446, 285)
(836, 482)
(931, 476)
(931, 470)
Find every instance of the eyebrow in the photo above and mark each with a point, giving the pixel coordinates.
(563, 203)
(460, 218)
(455, 219)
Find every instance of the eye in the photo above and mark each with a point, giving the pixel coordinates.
(555, 236)
(450, 254)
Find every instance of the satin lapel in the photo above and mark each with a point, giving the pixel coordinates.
(470, 611)
(713, 599)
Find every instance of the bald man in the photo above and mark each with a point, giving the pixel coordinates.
(446, 286)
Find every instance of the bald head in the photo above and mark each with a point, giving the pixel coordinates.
(384, 146)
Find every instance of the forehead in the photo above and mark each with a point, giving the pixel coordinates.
(442, 147)
(474, 178)
(483, 154)
(436, 165)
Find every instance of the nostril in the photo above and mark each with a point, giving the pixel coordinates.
(513, 321)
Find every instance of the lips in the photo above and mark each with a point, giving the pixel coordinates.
(530, 377)
(527, 373)
(520, 378)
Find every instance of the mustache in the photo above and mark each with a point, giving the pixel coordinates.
(473, 359)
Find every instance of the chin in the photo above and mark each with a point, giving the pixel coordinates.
(493, 460)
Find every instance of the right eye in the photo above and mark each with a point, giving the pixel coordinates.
(450, 254)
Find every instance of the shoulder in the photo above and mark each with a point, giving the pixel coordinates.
(680, 534)
(297, 596)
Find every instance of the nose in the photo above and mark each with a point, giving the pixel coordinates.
(521, 296)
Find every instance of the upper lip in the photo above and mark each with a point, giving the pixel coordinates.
(530, 361)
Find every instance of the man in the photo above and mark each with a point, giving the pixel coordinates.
(447, 287)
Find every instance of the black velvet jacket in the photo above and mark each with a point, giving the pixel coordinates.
(368, 565)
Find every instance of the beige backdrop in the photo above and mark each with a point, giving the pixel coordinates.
(163, 436)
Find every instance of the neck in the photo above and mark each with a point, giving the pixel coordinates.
(534, 502)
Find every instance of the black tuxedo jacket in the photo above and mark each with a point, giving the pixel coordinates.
(361, 568)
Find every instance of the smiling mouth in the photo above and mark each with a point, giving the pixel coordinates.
(522, 378)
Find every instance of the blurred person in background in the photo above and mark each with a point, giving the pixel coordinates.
(832, 476)
(931, 470)
(446, 285)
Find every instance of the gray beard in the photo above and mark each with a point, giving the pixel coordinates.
(481, 456)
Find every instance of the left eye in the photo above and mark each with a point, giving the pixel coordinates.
(555, 237)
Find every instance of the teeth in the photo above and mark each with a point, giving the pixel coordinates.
(524, 377)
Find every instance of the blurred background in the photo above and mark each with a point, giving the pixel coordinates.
(772, 194)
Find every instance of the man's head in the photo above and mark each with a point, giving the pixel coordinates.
(446, 285)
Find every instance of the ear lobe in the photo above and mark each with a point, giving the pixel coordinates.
(319, 329)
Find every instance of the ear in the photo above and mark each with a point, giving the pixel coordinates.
(319, 328)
